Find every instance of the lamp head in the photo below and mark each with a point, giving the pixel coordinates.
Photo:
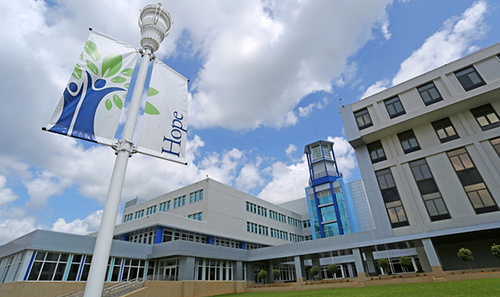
(155, 22)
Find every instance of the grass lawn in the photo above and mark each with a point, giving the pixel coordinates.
(481, 287)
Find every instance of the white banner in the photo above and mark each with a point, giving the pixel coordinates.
(164, 123)
(93, 99)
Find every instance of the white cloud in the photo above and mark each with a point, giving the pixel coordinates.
(451, 42)
(12, 229)
(290, 150)
(379, 86)
(88, 225)
(45, 186)
(262, 60)
(6, 194)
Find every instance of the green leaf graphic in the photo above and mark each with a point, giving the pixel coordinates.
(108, 104)
(128, 72)
(111, 65)
(118, 101)
(81, 56)
(77, 72)
(92, 50)
(150, 109)
(152, 91)
(118, 79)
(92, 67)
(127, 85)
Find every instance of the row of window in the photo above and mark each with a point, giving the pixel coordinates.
(479, 196)
(164, 206)
(274, 215)
(294, 222)
(468, 77)
(257, 229)
(257, 209)
(485, 115)
(280, 234)
(196, 216)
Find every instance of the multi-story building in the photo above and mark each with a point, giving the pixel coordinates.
(428, 150)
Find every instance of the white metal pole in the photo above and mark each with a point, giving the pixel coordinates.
(99, 264)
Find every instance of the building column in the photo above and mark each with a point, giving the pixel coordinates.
(238, 273)
(370, 263)
(299, 269)
(315, 262)
(358, 260)
(433, 258)
(186, 268)
(250, 272)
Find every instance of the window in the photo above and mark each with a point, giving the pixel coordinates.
(363, 119)
(445, 130)
(496, 145)
(376, 152)
(408, 141)
(393, 204)
(429, 190)
(486, 117)
(429, 93)
(48, 266)
(469, 78)
(394, 107)
(196, 216)
(196, 196)
(474, 186)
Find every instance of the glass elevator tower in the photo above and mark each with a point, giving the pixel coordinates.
(331, 210)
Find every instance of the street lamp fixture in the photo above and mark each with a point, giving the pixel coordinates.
(155, 22)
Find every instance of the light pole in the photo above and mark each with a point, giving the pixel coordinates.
(155, 23)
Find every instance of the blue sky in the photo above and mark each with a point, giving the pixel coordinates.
(266, 78)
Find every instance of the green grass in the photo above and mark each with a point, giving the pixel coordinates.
(481, 287)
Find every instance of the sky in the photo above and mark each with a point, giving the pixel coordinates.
(265, 77)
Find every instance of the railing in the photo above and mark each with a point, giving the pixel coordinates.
(115, 290)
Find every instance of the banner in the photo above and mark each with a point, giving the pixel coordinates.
(164, 123)
(91, 104)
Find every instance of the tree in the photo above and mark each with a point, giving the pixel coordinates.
(495, 250)
(405, 262)
(314, 271)
(332, 269)
(384, 264)
(262, 275)
(466, 256)
(276, 274)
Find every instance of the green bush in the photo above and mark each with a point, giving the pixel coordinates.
(405, 262)
(384, 264)
(466, 256)
(495, 250)
(262, 275)
(314, 271)
(276, 274)
(332, 269)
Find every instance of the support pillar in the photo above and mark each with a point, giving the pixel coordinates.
(238, 274)
(433, 258)
(370, 263)
(358, 260)
(299, 270)
(186, 268)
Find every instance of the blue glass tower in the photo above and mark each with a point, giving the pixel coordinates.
(331, 209)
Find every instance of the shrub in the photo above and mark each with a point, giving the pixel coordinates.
(466, 256)
(495, 250)
(332, 269)
(384, 264)
(276, 274)
(405, 262)
(314, 271)
(262, 275)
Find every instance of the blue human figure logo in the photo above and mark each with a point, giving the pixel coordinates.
(90, 95)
